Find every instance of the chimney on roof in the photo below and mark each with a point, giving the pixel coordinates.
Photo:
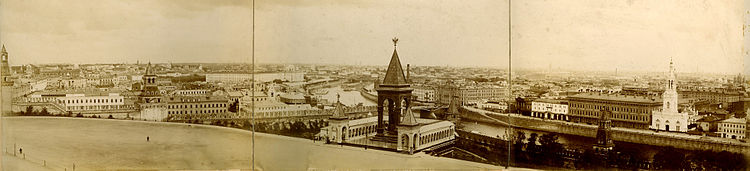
(407, 73)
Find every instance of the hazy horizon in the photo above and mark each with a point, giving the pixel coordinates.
(588, 35)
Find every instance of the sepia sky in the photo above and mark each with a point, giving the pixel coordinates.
(628, 35)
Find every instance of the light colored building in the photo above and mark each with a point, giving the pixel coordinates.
(424, 93)
(199, 92)
(668, 118)
(469, 95)
(733, 128)
(90, 101)
(197, 107)
(493, 104)
(550, 109)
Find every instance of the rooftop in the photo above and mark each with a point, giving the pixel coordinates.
(395, 73)
(617, 97)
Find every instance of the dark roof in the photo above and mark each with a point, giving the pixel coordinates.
(395, 74)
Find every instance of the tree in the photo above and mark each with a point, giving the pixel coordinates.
(44, 112)
(79, 115)
(29, 111)
(110, 117)
(234, 107)
(669, 158)
(551, 148)
(518, 146)
(531, 148)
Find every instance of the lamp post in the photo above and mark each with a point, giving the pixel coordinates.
(510, 83)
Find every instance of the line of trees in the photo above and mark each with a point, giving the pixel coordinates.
(31, 112)
(538, 150)
(302, 129)
(44, 112)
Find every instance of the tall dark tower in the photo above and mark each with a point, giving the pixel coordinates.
(150, 90)
(394, 96)
(151, 104)
(604, 144)
(7, 84)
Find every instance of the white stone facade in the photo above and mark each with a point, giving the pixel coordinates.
(669, 118)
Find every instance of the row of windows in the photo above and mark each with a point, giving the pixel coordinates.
(424, 139)
(192, 92)
(93, 101)
(725, 125)
(630, 117)
(197, 111)
(613, 108)
(735, 131)
(190, 106)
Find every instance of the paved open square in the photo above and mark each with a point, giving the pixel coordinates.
(103, 144)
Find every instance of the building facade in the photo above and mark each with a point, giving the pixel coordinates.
(550, 109)
(469, 95)
(92, 102)
(424, 93)
(732, 128)
(197, 107)
(668, 118)
(627, 111)
(261, 77)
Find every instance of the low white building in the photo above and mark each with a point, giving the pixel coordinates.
(550, 109)
(493, 105)
(87, 102)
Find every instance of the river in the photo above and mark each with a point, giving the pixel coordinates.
(348, 98)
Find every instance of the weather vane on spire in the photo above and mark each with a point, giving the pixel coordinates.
(395, 41)
(338, 97)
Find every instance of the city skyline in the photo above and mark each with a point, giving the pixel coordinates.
(596, 36)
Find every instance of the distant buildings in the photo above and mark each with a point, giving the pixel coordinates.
(493, 104)
(469, 95)
(262, 77)
(424, 93)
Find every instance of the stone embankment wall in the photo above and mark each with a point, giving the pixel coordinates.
(648, 137)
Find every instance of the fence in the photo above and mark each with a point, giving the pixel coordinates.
(30, 157)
